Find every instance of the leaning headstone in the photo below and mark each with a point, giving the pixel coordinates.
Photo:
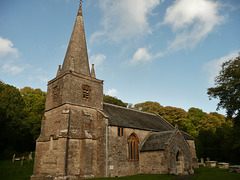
(13, 158)
(29, 157)
(22, 160)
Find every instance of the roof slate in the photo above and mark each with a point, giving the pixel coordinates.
(157, 141)
(124, 117)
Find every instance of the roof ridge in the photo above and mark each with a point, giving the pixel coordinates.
(153, 114)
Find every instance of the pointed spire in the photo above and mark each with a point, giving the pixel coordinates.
(76, 58)
(93, 75)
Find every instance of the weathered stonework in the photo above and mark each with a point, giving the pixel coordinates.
(82, 137)
(118, 163)
(164, 161)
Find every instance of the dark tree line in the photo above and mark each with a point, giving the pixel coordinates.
(21, 112)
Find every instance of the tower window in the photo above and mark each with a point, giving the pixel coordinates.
(86, 90)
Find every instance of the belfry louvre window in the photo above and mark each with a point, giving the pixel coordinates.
(133, 147)
(86, 92)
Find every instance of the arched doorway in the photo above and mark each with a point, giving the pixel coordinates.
(179, 162)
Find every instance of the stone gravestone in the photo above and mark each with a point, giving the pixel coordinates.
(30, 157)
(202, 163)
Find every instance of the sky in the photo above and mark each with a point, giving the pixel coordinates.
(168, 51)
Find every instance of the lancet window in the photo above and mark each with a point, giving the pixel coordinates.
(133, 147)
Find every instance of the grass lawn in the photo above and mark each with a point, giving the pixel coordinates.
(143, 177)
(14, 171)
(204, 173)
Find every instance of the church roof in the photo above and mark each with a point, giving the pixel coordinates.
(129, 118)
(76, 58)
(157, 141)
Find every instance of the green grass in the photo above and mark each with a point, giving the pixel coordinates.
(204, 173)
(143, 177)
(14, 171)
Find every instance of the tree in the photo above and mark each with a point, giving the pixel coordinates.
(175, 116)
(11, 116)
(113, 100)
(34, 109)
(149, 106)
(227, 88)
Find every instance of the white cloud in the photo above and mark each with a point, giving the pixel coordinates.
(141, 56)
(213, 67)
(112, 92)
(97, 59)
(192, 21)
(6, 48)
(8, 56)
(8, 67)
(125, 19)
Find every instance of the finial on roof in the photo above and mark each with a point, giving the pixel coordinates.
(93, 72)
(59, 70)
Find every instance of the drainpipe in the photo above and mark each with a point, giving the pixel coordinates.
(107, 150)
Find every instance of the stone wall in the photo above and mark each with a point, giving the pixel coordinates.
(165, 161)
(178, 143)
(67, 88)
(153, 163)
(77, 134)
(193, 153)
(118, 162)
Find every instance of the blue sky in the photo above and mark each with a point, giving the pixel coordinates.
(165, 51)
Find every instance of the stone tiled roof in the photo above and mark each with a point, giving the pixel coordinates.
(157, 141)
(124, 117)
(187, 136)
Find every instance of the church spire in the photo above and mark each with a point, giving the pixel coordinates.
(76, 58)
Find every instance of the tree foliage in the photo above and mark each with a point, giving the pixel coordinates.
(20, 118)
(149, 106)
(34, 109)
(113, 100)
(227, 88)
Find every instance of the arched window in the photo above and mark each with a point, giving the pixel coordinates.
(133, 147)
(179, 156)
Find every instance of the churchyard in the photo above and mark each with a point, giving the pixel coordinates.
(16, 171)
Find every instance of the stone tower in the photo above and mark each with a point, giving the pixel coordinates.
(72, 143)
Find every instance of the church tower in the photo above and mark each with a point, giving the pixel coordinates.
(73, 131)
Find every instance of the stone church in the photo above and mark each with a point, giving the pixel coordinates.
(83, 137)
